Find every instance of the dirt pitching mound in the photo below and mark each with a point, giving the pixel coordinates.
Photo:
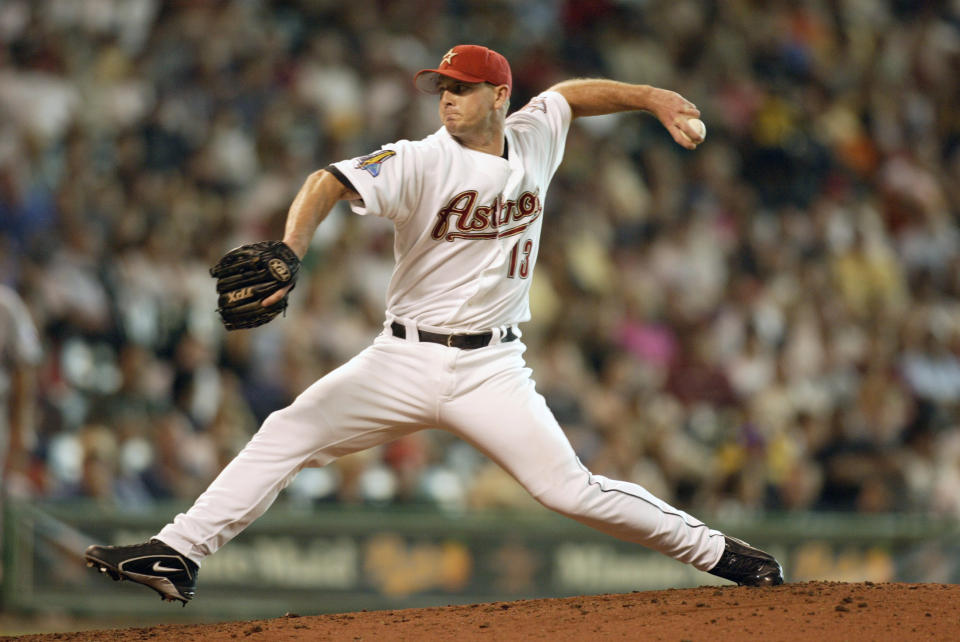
(813, 610)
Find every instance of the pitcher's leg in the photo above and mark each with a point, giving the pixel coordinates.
(376, 397)
(286, 443)
(510, 422)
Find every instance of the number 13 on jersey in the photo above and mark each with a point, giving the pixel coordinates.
(520, 259)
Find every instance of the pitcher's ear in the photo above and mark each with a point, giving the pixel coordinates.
(502, 95)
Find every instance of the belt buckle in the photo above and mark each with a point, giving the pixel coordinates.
(450, 340)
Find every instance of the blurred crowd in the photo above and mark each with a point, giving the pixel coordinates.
(771, 322)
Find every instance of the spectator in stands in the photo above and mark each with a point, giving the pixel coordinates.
(20, 354)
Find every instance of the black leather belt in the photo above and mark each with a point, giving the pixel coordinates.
(462, 341)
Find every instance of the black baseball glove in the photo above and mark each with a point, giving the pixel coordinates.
(247, 275)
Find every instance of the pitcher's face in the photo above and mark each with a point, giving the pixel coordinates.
(467, 108)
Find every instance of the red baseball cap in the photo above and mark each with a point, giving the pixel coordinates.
(469, 63)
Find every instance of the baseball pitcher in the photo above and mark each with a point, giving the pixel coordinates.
(467, 203)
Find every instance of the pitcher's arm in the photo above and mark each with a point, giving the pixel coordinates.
(597, 96)
(319, 193)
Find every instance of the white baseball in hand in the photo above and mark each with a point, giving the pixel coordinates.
(701, 130)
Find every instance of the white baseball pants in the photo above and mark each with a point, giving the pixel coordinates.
(398, 386)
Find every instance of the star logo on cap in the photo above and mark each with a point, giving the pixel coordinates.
(448, 57)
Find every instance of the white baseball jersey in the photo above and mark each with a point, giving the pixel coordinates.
(467, 222)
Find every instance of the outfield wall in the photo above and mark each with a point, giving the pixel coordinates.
(337, 559)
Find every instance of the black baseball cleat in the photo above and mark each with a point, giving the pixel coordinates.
(152, 564)
(746, 565)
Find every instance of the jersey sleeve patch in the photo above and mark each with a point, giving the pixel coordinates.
(373, 162)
